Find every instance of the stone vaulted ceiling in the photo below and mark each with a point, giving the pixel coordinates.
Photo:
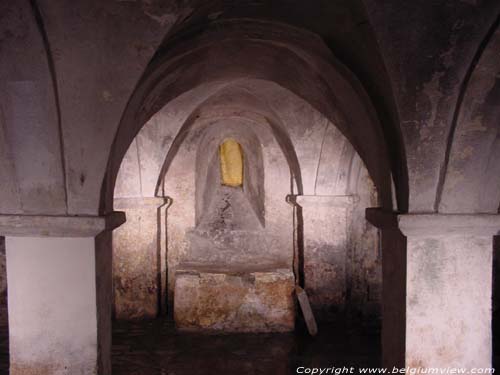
(429, 69)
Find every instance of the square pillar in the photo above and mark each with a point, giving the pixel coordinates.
(59, 293)
(444, 265)
(325, 220)
(449, 289)
(138, 259)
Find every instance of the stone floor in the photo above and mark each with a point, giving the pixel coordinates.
(4, 340)
(155, 347)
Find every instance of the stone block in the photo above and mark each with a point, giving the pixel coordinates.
(246, 301)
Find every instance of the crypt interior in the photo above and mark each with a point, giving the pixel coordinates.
(248, 186)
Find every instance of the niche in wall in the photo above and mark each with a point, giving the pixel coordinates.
(231, 163)
(235, 274)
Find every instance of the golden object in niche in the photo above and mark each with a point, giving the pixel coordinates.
(231, 163)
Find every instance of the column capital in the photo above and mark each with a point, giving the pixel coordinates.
(59, 226)
(425, 224)
(324, 200)
(140, 202)
(449, 224)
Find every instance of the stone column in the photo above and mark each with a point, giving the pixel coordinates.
(448, 289)
(139, 262)
(59, 293)
(324, 222)
(393, 246)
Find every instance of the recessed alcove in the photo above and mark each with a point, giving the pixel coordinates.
(234, 274)
(290, 212)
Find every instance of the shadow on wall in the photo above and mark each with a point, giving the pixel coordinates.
(496, 302)
(3, 284)
(4, 329)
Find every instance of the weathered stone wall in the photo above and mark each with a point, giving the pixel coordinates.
(326, 221)
(364, 259)
(236, 234)
(448, 318)
(137, 259)
(289, 149)
(342, 259)
(250, 301)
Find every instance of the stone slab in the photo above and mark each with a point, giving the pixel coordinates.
(234, 302)
(449, 224)
(324, 200)
(58, 226)
(436, 224)
(140, 203)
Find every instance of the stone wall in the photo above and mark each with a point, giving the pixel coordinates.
(235, 229)
(137, 259)
(364, 259)
(290, 150)
(341, 255)
(248, 301)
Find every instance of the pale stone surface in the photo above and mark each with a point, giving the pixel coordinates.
(440, 225)
(289, 148)
(448, 303)
(137, 259)
(258, 222)
(58, 226)
(226, 225)
(53, 284)
(325, 222)
(235, 302)
(75, 87)
(439, 280)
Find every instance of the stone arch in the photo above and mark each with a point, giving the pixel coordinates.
(250, 108)
(472, 179)
(336, 93)
(184, 92)
(31, 141)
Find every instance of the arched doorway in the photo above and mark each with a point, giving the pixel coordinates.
(302, 157)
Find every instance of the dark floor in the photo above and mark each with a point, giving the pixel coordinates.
(4, 338)
(155, 347)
